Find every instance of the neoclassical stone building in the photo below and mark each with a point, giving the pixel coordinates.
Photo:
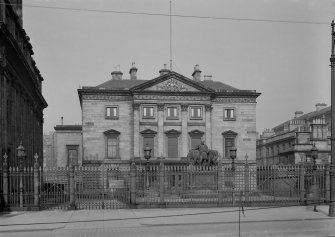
(21, 99)
(170, 113)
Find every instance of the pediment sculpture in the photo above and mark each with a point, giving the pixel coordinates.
(172, 85)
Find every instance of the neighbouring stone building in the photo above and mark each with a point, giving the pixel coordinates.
(63, 146)
(291, 142)
(21, 100)
(170, 113)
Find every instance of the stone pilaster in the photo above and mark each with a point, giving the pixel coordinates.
(184, 134)
(160, 117)
(136, 108)
(208, 112)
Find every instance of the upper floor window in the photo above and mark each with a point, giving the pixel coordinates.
(112, 112)
(196, 112)
(229, 114)
(172, 112)
(148, 112)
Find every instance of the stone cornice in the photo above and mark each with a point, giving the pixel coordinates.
(172, 97)
(235, 99)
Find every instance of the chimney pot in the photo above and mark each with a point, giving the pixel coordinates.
(298, 114)
(197, 73)
(133, 72)
(117, 74)
(164, 71)
(320, 106)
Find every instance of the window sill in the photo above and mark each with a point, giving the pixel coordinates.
(172, 118)
(195, 118)
(112, 118)
(229, 119)
(148, 117)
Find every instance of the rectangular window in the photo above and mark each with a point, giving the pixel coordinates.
(195, 142)
(228, 144)
(229, 114)
(196, 112)
(172, 147)
(172, 112)
(148, 112)
(112, 146)
(150, 142)
(112, 112)
(72, 154)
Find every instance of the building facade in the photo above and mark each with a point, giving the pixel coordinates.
(21, 100)
(63, 146)
(170, 113)
(291, 142)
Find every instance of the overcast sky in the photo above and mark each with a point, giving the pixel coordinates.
(287, 63)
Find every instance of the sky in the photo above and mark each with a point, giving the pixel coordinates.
(287, 62)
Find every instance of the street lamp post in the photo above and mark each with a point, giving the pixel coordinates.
(21, 154)
(332, 162)
(147, 156)
(246, 179)
(233, 157)
(314, 188)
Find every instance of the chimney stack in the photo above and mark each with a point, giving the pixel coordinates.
(117, 74)
(164, 71)
(207, 77)
(133, 72)
(197, 73)
(320, 106)
(298, 114)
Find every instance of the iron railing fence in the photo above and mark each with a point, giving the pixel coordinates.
(128, 185)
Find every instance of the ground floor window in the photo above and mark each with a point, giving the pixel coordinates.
(72, 154)
(112, 144)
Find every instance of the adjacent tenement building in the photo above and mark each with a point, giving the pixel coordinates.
(21, 100)
(291, 142)
(171, 113)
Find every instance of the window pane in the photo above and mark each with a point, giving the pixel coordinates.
(151, 112)
(112, 146)
(169, 112)
(229, 143)
(108, 112)
(73, 156)
(150, 142)
(195, 141)
(172, 147)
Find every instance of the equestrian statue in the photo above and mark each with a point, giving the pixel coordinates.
(201, 155)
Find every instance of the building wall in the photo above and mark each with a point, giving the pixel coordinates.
(244, 126)
(21, 101)
(95, 124)
(63, 139)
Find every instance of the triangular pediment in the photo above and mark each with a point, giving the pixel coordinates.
(112, 131)
(229, 133)
(148, 131)
(172, 82)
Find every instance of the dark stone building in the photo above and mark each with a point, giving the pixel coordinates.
(21, 100)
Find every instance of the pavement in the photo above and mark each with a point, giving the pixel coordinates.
(51, 220)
